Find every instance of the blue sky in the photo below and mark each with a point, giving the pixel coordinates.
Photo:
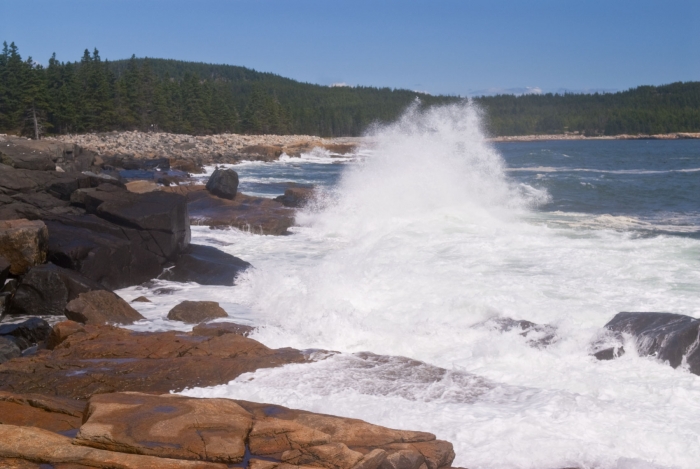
(437, 46)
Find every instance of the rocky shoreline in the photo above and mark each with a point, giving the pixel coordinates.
(190, 152)
(79, 391)
(194, 151)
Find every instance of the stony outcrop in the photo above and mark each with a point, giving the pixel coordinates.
(672, 338)
(223, 183)
(205, 265)
(44, 155)
(8, 349)
(189, 152)
(221, 328)
(163, 216)
(194, 312)
(42, 446)
(26, 333)
(47, 289)
(258, 215)
(84, 360)
(223, 430)
(101, 307)
(56, 414)
(23, 243)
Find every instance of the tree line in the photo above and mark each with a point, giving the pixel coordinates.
(96, 95)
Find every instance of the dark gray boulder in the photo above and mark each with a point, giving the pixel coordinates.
(26, 333)
(223, 183)
(205, 265)
(46, 289)
(163, 215)
(8, 350)
(673, 338)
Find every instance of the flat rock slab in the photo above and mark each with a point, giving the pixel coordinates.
(59, 415)
(42, 446)
(258, 215)
(87, 360)
(167, 426)
(224, 430)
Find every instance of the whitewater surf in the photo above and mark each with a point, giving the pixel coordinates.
(413, 251)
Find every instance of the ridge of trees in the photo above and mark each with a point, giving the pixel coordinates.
(95, 95)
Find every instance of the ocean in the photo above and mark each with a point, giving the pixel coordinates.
(394, 276)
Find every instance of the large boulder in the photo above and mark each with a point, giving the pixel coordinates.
(8, 349)
(223, 183)
(114, 256)
(46, 289)
(669, 337)
(23, 243)
(162, 216)
(26, 333)
(194, 312)
(205, 265)
(101, 307)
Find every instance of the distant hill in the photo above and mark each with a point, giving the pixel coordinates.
(93, 95)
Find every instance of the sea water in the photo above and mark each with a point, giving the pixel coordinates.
(430, 232)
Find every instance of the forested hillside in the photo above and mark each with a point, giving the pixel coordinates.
(94, 95)
(642, 110)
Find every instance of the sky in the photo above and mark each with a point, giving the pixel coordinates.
(437, 46)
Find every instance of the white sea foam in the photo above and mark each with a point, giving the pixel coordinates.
(422, 241)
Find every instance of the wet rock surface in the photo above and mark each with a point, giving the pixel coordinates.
(258, 215)
(205, 265)
(296, 196)
(673, 338)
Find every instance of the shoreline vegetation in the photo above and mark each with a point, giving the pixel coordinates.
(147, 94)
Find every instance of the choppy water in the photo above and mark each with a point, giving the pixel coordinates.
(433, 231)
